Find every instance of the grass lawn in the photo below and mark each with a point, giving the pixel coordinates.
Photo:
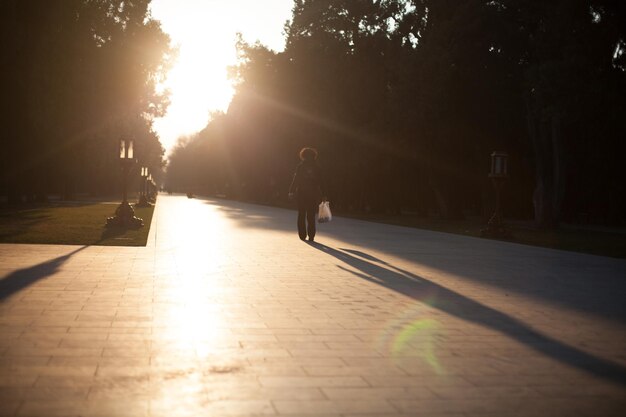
(587, 241)
(71, 224)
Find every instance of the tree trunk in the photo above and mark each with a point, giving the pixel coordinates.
(545, 135)
(558, 161)
(446, 198)
(14, 196)
(442, 203)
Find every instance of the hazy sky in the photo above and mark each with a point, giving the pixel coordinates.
(205, 32)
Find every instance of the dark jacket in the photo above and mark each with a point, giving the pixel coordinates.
(307, 182)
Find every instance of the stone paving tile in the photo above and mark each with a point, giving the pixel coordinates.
(352, 370)
(356, 394)
(321, 407)
(312, 381)
(226, 312)
(9, 407)
(413, 414)
(105, 408)
(15, 380)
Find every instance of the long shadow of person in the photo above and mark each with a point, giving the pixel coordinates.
(22, 278)
(404, 282)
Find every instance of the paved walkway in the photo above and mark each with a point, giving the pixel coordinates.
(226, 312)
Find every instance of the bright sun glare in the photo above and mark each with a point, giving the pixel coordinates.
(205, 32)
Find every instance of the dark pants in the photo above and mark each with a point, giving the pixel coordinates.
(307, 209)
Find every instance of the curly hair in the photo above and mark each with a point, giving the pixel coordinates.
(308, 154)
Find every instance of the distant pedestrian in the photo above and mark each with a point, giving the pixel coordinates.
(307, 187)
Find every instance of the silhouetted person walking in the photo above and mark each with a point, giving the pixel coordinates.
(307, 186)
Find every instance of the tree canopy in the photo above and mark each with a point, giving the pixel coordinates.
(406, 99)
(78, 75)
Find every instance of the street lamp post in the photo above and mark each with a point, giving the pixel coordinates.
(145, 182)
(124, 214)
(499, 174)
(151, 189)
(143, 196)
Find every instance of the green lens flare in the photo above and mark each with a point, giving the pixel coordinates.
(409, 332)
(419, 330)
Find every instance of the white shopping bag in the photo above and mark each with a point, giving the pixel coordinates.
(323, 214)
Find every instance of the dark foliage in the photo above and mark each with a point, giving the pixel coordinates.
(406, 99)
(77, 75)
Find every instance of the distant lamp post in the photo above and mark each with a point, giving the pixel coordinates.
(143, 195)
(499, 174)
(124, 214)
(150, 189)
